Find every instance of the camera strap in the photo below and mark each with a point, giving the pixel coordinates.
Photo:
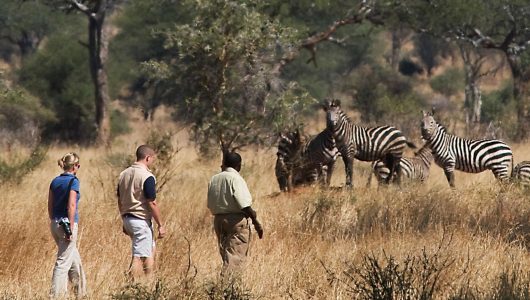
(67, 196)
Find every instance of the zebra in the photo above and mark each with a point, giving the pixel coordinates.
(472, 156)
(319, 156)
(302, 162)
(414, 168)
(521, 173)
(366, 144)
(290, 146)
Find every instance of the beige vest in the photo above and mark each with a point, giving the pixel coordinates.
(131, 188)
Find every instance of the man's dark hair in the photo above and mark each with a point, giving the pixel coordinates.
(232, 160)
(143, 151)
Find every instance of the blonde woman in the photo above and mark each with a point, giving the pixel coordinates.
(63, 199)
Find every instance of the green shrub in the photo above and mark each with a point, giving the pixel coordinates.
(14, 172)
(449, 83)
(119, 123)
(499, 109)
(21, 117)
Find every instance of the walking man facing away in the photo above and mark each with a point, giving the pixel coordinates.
(137, 205)
(229, 200)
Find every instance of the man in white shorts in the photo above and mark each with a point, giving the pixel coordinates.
(138, 206)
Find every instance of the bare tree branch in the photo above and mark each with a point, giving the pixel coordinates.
(364, 12)
(83, 8)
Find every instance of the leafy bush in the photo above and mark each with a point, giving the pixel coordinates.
(21, 117)
(449, 83)
(119, 123)
(499, 109)
(14, 172)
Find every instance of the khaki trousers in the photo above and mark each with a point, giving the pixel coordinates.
(67, 265)
(233, 236)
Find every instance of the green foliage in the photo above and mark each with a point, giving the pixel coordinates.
(224, 72)
(24, 24)
(119, 123)
(21, 117)
(499, 109)
(449, 83)
(429, 48)
(15, 170)
(139, 39)
(385, 96)
(59, 74)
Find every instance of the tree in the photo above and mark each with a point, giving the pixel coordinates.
(25, 24)
(503, 25)
(97, 12)
(140, 38)
(223, 68)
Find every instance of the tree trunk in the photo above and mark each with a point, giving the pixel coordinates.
(396, 50)
(98, 42)
(520, 97)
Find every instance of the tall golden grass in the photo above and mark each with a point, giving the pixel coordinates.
(314, 238)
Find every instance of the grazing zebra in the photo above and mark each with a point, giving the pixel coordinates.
(521, 173)
(366, 144)
(414, 168)
(288, 158)
(471, 156)
(309, 162)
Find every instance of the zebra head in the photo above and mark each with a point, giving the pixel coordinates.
(333, 112)
(428, 125)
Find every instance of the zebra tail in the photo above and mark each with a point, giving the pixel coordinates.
(411, 145)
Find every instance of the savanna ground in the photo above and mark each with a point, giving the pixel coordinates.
(366, 243)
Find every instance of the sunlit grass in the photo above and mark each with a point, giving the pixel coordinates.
(482, 227)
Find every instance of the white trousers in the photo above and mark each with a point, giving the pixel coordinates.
(67, 266)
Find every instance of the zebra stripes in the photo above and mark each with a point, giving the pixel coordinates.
(290, 146)
(521, 173)
(473, 156)
(366, 144)
(319, 157)
(415, 168)
(302, 163)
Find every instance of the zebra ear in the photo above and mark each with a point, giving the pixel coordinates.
(336, 102)
(433, 111)
(424, 113)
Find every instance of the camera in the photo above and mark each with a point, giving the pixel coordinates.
(65, 224)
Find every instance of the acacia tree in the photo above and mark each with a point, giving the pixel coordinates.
(502, 25)
(223, 68)
(97, 12)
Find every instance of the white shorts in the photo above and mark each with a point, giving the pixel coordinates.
(141, 233)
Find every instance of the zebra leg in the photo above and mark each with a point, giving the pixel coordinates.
(329, 173)
(450, 175)
(390, 162)
(348, 166)
(397, 168)
(323, 174)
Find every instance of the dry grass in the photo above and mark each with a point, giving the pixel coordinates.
(315, 240)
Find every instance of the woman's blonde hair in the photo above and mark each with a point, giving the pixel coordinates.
(68, 161)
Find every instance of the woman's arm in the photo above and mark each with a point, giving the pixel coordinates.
(50, 204)
(72, 203)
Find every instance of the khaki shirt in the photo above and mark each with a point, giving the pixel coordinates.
(228, 193)
(131, 199)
